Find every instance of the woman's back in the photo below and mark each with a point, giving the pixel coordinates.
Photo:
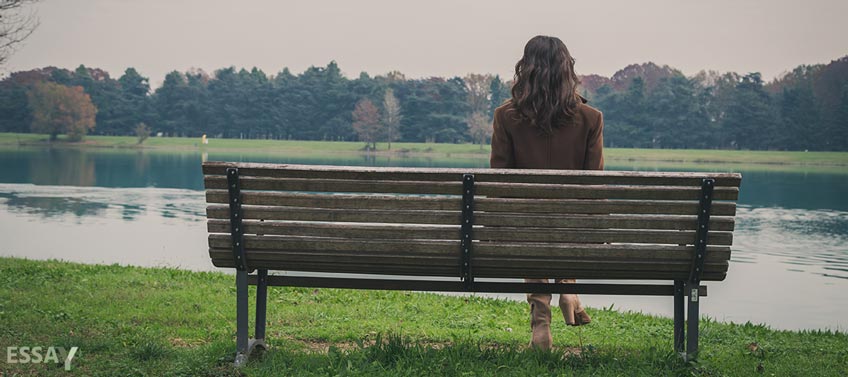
(576, 145)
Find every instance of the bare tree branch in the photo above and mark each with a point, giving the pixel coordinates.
(17, 22)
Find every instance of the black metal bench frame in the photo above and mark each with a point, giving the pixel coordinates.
(686, 316)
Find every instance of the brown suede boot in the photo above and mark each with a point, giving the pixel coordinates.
(572, 309)
(540, 320)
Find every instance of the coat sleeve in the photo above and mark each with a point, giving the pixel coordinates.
(502, 156)
(595, 146)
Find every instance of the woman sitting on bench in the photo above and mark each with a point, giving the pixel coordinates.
(547, 125)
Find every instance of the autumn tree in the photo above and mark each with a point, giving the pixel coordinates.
(60, 109)
(366, 123)
(391, 116)
(479, 100)
(478, 87)
(142, 132)
(479, 127)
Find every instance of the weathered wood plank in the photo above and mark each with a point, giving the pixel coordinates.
(337, 215)
(426, 263)
(599, 221)
(412, 260)
(481, 175)
(512, 190)
(479, 286)
(446, 248)
(546, 273)
(340, 201)
(340, 230)
(599, 206)
(482, 272)
(551, 191)
(338, 185)
(406, 261)
(371, 231)
(540, 257)
(528, 234)
(398, 202)
(596, 251)
(350, 268)
(433, 247)
(718, 223)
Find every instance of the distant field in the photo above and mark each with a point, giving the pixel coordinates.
(614, 155)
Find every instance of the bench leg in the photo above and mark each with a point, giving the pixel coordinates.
(261, 306)
(692, 298)
(242, 350)
(244, 345)
(679, 317)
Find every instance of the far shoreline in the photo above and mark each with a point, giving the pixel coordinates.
(427, 150)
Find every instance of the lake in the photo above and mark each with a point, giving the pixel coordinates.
(789, 267)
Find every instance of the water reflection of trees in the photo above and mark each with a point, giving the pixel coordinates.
(53, 206)
(71, 167)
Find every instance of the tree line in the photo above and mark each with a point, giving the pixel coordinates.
(645, 106)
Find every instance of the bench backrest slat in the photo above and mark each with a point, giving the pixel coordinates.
(502, 234)
(500, 219)
(595, 177)
(580, 206)
(494, 189)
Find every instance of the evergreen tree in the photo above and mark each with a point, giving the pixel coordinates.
(751, 117)
(499, 92)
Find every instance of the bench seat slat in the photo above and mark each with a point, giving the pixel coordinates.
(516, 190)
(370, 231)
(721, 223)
(482, 175)
(586, 206)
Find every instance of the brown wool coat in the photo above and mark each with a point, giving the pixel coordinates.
(576, 146)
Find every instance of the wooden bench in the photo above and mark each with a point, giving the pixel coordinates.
(469, 230)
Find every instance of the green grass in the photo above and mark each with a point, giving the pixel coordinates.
(137, 321)
(323, 148)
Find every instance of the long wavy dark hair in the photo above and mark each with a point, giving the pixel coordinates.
(545, 89)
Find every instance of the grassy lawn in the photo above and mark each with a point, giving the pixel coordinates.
(136, 321)
(293, 147)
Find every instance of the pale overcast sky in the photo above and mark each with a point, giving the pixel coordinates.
(432, 37)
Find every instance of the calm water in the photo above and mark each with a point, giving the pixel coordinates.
(789, 267)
